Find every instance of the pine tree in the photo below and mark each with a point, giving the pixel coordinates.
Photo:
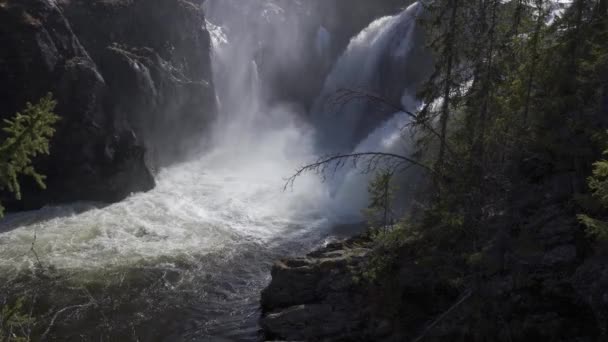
(598, 183)
(381, 196)
(28, 135)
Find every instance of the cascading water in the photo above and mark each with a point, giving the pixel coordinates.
(186, 261)
(386, 60)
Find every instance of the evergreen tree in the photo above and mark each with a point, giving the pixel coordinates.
(598, 183)
(381, 195)
(27, 135)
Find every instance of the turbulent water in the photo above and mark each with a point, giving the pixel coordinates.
(385, 60)
(187, 260)
(193, 253)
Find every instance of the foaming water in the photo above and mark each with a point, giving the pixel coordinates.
(197, 208)
(382, 60)
(187, 260)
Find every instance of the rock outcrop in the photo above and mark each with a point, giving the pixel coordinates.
(317, 296)
(133, 91)
(537, 278)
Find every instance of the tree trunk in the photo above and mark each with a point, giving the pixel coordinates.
(449, 53)
(532, 73)
(602, 8)
(475, 212)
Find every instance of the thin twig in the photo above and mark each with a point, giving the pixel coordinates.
(373, 160)
(33, 250)
(31, 314)
(48, 329)
(346, 95)
(443, 315)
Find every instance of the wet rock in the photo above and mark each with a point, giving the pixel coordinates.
(310, 279)
(159, 75)
(315, 297)
(40, 54)
(125, 83)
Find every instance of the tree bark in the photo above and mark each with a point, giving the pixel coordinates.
(532, 73)
(445, 110)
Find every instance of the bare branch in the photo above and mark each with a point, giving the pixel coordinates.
(370, 160)
(33, 250)
(466, 296)
(346, 95)
(58, 313)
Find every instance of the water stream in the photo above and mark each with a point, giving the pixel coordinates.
(187, 260)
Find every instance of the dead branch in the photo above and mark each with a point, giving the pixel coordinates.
(466, 296)
(370, 161)
(346, 95)
(33, 250)
(58, 313)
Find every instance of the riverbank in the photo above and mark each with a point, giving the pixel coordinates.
(535, 278)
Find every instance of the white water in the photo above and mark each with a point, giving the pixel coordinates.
(232, 194)
(377, 55)
(197, 208)
(235, 191)
(385, 43)
(221, 213)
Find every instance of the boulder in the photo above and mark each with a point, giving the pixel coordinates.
(316, 297)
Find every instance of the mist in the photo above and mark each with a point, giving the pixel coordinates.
(226, 212)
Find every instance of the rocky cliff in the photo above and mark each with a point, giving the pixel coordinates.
(133, 84)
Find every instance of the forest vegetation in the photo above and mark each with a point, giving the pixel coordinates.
(504, 239)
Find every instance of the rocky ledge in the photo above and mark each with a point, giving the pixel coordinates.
(314, 297)
(539, 282)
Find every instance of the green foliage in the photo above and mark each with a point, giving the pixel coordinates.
(379, 213)
(509, 83)
(387, 243)
(15, 322)
(596, 229)
(27, 136)
(598, 184)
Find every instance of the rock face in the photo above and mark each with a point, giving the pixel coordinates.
(155, 56)
(316, 297)
(125, 82)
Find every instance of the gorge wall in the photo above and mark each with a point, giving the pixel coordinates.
(133, 84)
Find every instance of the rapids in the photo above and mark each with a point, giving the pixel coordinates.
(187, 260)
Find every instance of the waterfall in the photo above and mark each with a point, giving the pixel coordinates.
(387, 59)
(194, 252)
